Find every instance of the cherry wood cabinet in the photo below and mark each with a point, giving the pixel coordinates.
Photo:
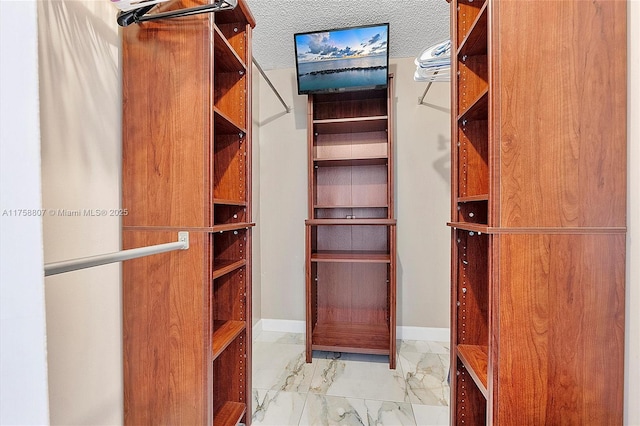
(187, 167)
(351, 230)
(538, 212)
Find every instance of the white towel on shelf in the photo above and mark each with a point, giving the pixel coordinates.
(434, 63)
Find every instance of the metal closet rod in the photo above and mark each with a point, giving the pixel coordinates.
(286, 107)
(103, 259)
(126, 18)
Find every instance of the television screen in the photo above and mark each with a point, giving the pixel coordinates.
(342, 59)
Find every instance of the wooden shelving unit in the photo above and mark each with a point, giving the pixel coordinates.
(350, 233)
(187, 166)
(538, 212)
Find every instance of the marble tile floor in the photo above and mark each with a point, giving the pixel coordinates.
(348, 389)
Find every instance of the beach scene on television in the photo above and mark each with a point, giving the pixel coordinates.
(342, 59)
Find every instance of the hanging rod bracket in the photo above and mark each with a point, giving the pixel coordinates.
(183, 237)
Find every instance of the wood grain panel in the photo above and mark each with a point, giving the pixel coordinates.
(470, 407)
(230, 168)
(369, 293)
(229, 246)
(350, 105)
(560, 329)
(333, 186)
(229, 95)
(472, 292)
(334, 297)
(166, 340)
(351, 145)
(369, 185)
(562, 122)
(473, 159)
(473, 80)
(158, 109)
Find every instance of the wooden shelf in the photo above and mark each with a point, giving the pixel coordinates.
(229, 414)
(325, 222)
(351, 125)
(223, 267)
(227, 60)
(473, 198)
(350, 206)
(475, 41)
(468, 226)
(349, 337)
(350, 256)
(225, 125)
(225, 332)
(221, 201)
(475, 359)
(478, 109)
(232, 226)
(342, 162)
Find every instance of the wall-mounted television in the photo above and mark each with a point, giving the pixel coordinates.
(342, 59)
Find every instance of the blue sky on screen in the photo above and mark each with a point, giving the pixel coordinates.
(337, 44)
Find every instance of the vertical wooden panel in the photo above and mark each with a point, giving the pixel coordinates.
(160, 108)
(165, 342)
(562, 68)
(560, 329)
(186, 91)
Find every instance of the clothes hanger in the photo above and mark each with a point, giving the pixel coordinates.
(137, 15)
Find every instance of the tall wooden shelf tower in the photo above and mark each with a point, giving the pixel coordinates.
(351, 230)
(187, 167)
(538, 212)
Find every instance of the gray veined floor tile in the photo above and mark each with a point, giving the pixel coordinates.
(334, 410)
(348, 389)
(366, 380)
(426, 378)
(429, 415)
(424, 347)
(277, 408)
(281, 367)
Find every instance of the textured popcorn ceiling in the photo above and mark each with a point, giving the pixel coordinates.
(413, 24)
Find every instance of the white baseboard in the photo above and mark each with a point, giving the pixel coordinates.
(402, 332)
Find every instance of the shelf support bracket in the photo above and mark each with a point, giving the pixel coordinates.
(421, 98)
(286, 107)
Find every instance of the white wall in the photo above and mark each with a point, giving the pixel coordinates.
(80, 104)
(422, 198)
(256, 288)
(23, 366)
